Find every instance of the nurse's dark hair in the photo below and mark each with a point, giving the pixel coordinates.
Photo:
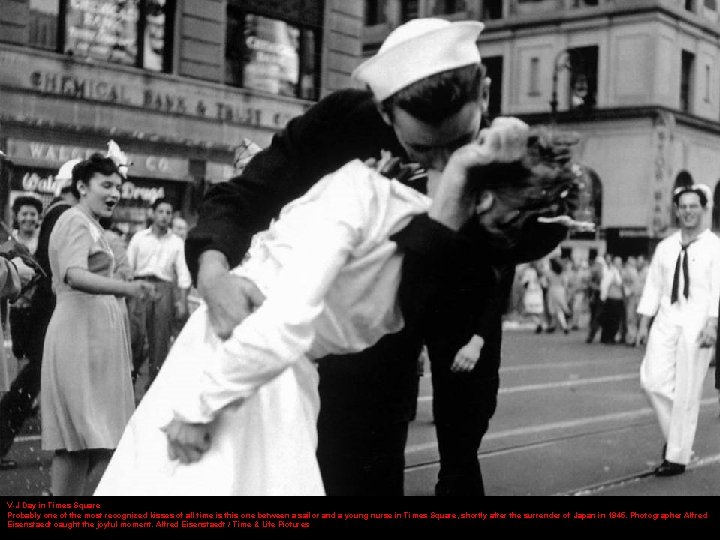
(435, 98)
(86, 169)
(545, 182)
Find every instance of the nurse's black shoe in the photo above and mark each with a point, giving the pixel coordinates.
(668, 468)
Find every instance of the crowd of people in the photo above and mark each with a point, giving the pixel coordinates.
(74, 340)
(597, 296)
(381, 225)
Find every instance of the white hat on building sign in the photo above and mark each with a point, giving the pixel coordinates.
(418, 49)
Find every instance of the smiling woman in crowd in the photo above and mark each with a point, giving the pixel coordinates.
(86, 390)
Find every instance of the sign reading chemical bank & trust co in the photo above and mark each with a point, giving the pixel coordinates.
(162, 93)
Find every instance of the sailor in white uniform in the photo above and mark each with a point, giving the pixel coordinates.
(681, 293)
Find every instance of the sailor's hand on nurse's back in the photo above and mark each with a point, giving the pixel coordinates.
(229, 298)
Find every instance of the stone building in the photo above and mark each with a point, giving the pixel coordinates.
(639, 80)
(178, 84)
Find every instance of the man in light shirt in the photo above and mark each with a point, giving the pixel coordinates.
(681, 292)
(613, 301)
(157, 255)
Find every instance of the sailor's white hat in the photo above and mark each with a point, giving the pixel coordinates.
(418, 49)
(65, 172)
(694, 188)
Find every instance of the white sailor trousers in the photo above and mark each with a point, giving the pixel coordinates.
(672, 375)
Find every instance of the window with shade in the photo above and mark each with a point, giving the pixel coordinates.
(129, 32)
(687, 65)
(43, 24)
(408, 10)
(271, 55)
(375, 12)
(448, 7)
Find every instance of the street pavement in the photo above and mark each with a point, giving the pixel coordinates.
(571, 421)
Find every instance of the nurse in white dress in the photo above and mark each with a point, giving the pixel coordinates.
(330, 276)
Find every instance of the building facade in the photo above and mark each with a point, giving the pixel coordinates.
(178, 84)
(639, 80)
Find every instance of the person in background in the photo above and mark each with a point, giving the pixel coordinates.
(632, 297)
(597, 270)
(14, 274)
(533, 302)
(179, 227)
(86, 393)
(557, 297)
(157, 255)
(27, 210)
(612, 295)
(681, 296)
(580, 306)
(18, 404)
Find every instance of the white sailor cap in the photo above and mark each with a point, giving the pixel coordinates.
(65, 172)
(418, 49)
(702, 190)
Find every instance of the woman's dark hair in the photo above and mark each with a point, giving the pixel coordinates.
(439, 96)
(27, 200)
(86, 169)
(544, 183)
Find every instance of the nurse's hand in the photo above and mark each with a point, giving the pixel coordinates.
(187, 442)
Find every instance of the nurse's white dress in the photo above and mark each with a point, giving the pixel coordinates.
(330, 276)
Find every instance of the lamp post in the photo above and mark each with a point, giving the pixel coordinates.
(562, 61)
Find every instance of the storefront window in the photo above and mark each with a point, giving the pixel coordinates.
(43, 24)
(155, 35)
(271, 56)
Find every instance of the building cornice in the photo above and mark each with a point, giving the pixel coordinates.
(649, 112)
(572, 18)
